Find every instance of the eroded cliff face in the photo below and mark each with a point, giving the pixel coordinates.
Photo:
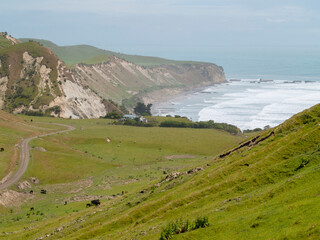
(118, 79)
(36, 80)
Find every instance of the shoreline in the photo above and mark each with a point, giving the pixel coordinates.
(167, 95)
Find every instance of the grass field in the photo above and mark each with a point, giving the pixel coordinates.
(12, 130)
(266, 190)
(81, 164)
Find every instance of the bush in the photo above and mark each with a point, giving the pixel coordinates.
(252, 130)
(209, 124)
(142, 109)
(174, 124)
(33, 113)
(180, 226)
(136, 122)
(114, 115)
(201, 222)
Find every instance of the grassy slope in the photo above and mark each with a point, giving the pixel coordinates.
(4, 43)
(12, 130)
(134, 158)
(72, 55)
(268, 191)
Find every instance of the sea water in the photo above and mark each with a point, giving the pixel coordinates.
(264, 88)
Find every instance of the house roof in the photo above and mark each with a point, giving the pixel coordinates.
(129, 116)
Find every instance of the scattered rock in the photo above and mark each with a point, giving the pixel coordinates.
(24, 185)
(172, 176)
(34, 180)
(194, 170)
(238, 199)
(40, 149)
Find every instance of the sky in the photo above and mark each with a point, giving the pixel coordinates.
(167, 28)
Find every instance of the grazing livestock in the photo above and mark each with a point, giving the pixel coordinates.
(31, 192)
(95, 202)
(43, 191)
(1, 149)
(32, 209)
(89, 205)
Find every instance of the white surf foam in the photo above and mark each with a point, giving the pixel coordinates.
(249, 105)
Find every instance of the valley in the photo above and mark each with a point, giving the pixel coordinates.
(143, 184)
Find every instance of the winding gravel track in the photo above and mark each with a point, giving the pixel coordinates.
(25, 156)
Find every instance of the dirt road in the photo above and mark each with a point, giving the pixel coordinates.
(25, 157)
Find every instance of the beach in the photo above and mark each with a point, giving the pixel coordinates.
(246, 103)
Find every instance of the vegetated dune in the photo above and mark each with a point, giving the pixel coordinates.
(265, 190)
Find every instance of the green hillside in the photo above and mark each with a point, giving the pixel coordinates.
(4, 43)
(266, 188)
(46, 43)
(12, 129)
(72, 55)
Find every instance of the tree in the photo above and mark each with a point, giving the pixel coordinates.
(114, 115)
(142, 109)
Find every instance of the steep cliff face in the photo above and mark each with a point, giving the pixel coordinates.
(119, 79)
(32, 78)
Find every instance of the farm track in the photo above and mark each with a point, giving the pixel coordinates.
(25, 156)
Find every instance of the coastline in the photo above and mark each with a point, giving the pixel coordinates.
(164, 96)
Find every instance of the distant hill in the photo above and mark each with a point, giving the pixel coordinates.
(72, 55)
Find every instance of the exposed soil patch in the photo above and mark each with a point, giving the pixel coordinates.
(73, 187)
(10, 198)
(179, 156)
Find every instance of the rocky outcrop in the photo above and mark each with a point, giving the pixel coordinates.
(38, 81)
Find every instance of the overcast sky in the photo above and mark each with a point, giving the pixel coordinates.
(157, 27)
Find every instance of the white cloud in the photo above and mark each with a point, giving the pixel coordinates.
(273, 12)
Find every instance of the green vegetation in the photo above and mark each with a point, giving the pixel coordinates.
(142, 109)
(176, 122)
(4, 43)
(180, 226)
(12, 129)
(266, 190)
(114, 115)
(209, 124)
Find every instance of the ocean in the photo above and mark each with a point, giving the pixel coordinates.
(265, 87)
